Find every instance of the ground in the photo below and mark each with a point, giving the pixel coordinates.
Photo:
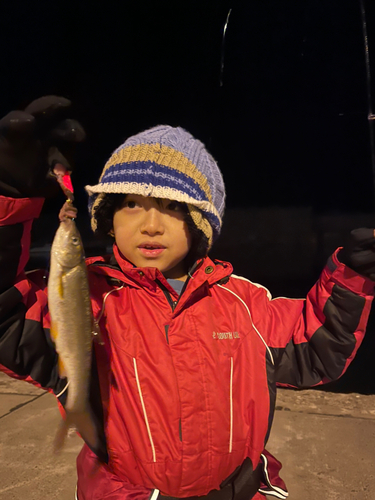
(325, 441)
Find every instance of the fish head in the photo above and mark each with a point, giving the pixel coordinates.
(67, 247)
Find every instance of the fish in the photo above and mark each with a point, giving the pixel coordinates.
(71, 329)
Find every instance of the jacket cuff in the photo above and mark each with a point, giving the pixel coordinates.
(18, 210)
(348, 278)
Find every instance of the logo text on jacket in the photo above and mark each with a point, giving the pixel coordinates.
(225, 335)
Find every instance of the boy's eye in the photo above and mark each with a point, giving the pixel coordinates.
(174, 206)
(130, 204)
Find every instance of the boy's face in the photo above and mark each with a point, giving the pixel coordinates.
(152, 232)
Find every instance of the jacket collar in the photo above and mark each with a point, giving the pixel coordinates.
(118, 267)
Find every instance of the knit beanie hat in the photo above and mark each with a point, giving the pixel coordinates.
(166, 162)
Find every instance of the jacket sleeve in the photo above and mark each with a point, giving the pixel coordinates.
(26, 350)
(313, 340)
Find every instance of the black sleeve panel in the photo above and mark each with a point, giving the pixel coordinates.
(9, 299)
(10, 238)
(324, 357)
(272, 395)
(25, 347)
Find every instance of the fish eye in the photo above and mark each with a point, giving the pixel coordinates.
(75, 240)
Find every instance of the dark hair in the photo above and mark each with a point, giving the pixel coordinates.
(107, 207)
(105, 211)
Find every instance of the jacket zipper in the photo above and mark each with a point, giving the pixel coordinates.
(166, 328)
(171, 302)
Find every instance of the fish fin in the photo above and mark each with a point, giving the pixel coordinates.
(60, 287)
(83, 423)
(54, 335)
(53, 331)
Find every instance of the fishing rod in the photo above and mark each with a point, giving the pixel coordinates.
(370, 114)
(223, 47)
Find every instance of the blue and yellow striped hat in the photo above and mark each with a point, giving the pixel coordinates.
(166, 162)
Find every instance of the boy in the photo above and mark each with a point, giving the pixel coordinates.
(184, 381)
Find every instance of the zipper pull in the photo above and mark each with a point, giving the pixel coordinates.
(174, 304)
(96, 333)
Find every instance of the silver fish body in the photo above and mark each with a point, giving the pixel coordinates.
(71, 327)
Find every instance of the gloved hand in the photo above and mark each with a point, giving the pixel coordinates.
(359, 252)
(32, 142)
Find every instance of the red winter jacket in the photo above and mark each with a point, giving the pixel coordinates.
(187, 384)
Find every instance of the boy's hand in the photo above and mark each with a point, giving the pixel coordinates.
(359, 252)
(32, 142)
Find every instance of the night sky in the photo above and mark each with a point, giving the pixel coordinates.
(286, 116)
(288, 125)
(282, 103)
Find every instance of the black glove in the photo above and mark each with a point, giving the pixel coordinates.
(359, 252)
(32, 142)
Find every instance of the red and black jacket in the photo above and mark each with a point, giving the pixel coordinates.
(184, 387)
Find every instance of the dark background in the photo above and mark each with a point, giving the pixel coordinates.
(282, 103)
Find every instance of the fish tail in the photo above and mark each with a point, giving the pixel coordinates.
(60, 436)
(81, 422)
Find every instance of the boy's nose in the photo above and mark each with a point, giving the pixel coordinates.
(152, 223)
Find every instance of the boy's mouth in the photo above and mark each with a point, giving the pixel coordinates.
(151, 249)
